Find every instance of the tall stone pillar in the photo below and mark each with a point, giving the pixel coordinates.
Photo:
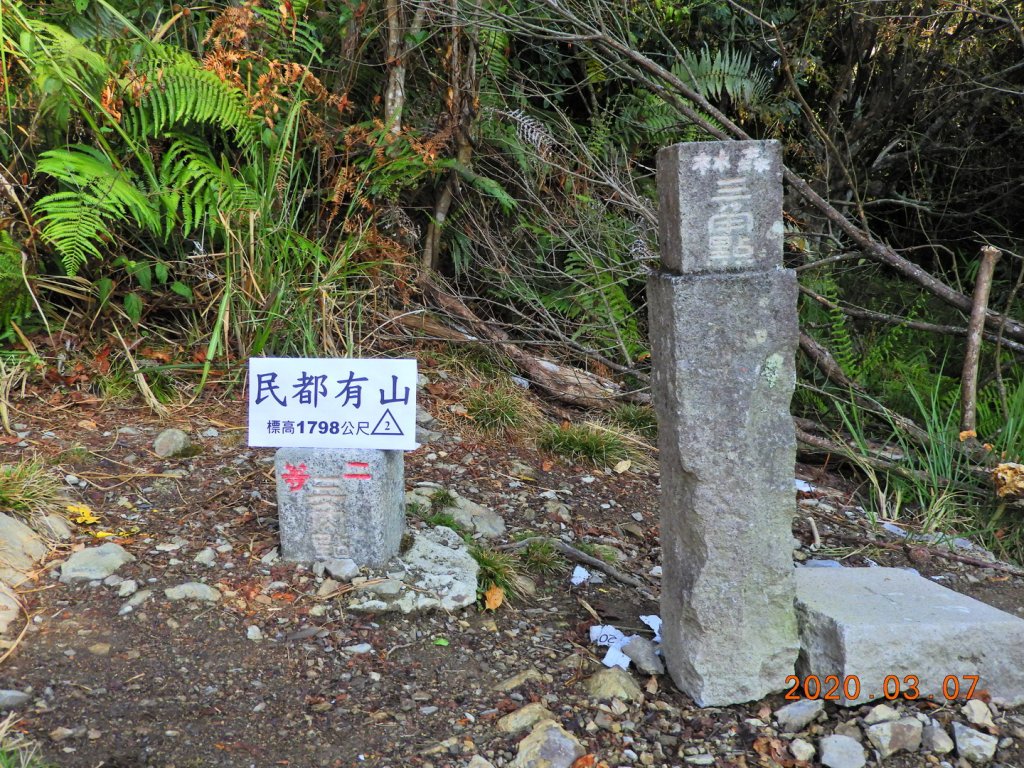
(724, 333)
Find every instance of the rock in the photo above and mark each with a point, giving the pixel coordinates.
(171, 443)
(975, 746)
(11, 699)
(358, 648)
(614, 683)
(99, 649)
(254, 633)
(55, 526)
(803, 751)
(423, 417)
(841, 752)
(343, 570)
(477, 518)
(644, 654)
(882, 713)
(511, 683)
(20, 548)
(954, 635)
(548, 746)
(94, 563)
(137, 599)
(206, 557)
(524, 717)
(851, 729)
(890, 737)
(210, 432)
(328, 587)
(977, 713)
(127, 588)
(60, 734)
(935, 739)
(479, 762)
(440, 574)
(193, 590)
(10, 608)
(792, 718)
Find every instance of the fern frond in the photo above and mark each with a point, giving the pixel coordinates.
(181, 93)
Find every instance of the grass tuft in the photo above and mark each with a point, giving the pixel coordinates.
(499, 569)
(15, 750)
(637, 418)
(29, 490)
(441, 499)
(583, 442)
(497, 410)
(541, 558)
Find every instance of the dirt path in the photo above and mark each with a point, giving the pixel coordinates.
(274, 675)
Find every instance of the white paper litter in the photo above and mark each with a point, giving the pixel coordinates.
(802, 485)
(579, 576)
(612, 637)
(654, 622)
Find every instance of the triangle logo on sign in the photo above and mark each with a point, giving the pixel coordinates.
(388, 425)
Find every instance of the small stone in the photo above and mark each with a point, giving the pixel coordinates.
(644, 654)
(193, 590)
(358, 648)
(210, 432)
(549, 745)
(479, 762)
(254, 633)
(882, 713)
(851, 729)
(127, 588)
(794, 717)
(60, 734)
(71, 479)
(137, 599)
(342, 570)
(802, 751)
(975, 746)
(892, 736)
(524, 717)
(94, 563)
(328, 587)
(935, 739)
(511, 683)
(99, 649)
(206, 557)
(614, 683)
(841, 752)
(428, 710)
(11, 699)
(977, 713)
(171, 443)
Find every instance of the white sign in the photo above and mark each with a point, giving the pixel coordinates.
(332, 403)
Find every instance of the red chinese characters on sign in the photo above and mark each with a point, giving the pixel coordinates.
(357, 471)
(295, 476)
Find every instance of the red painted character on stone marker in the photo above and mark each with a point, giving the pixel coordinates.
(358, 471)
(295, 476)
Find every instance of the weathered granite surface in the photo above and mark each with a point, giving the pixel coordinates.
(720, 206)
(893, 623)
(336, 504)
(724, 371)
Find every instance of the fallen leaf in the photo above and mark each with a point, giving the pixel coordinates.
(494, 597)
(546, 465)
(88, 424)
(652, 685)
(84, 515)
(967, 434)
(587, 761)
(622, 466)
(441, 641)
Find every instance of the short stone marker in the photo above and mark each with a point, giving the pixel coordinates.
(343, 425)
(340, 504)
(724, 332)
(887, 631)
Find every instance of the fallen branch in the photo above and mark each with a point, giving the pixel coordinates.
(582, 557)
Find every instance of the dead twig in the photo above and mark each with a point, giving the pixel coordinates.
(582, 557)
(972, 354)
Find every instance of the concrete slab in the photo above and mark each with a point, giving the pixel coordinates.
(875, 627)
